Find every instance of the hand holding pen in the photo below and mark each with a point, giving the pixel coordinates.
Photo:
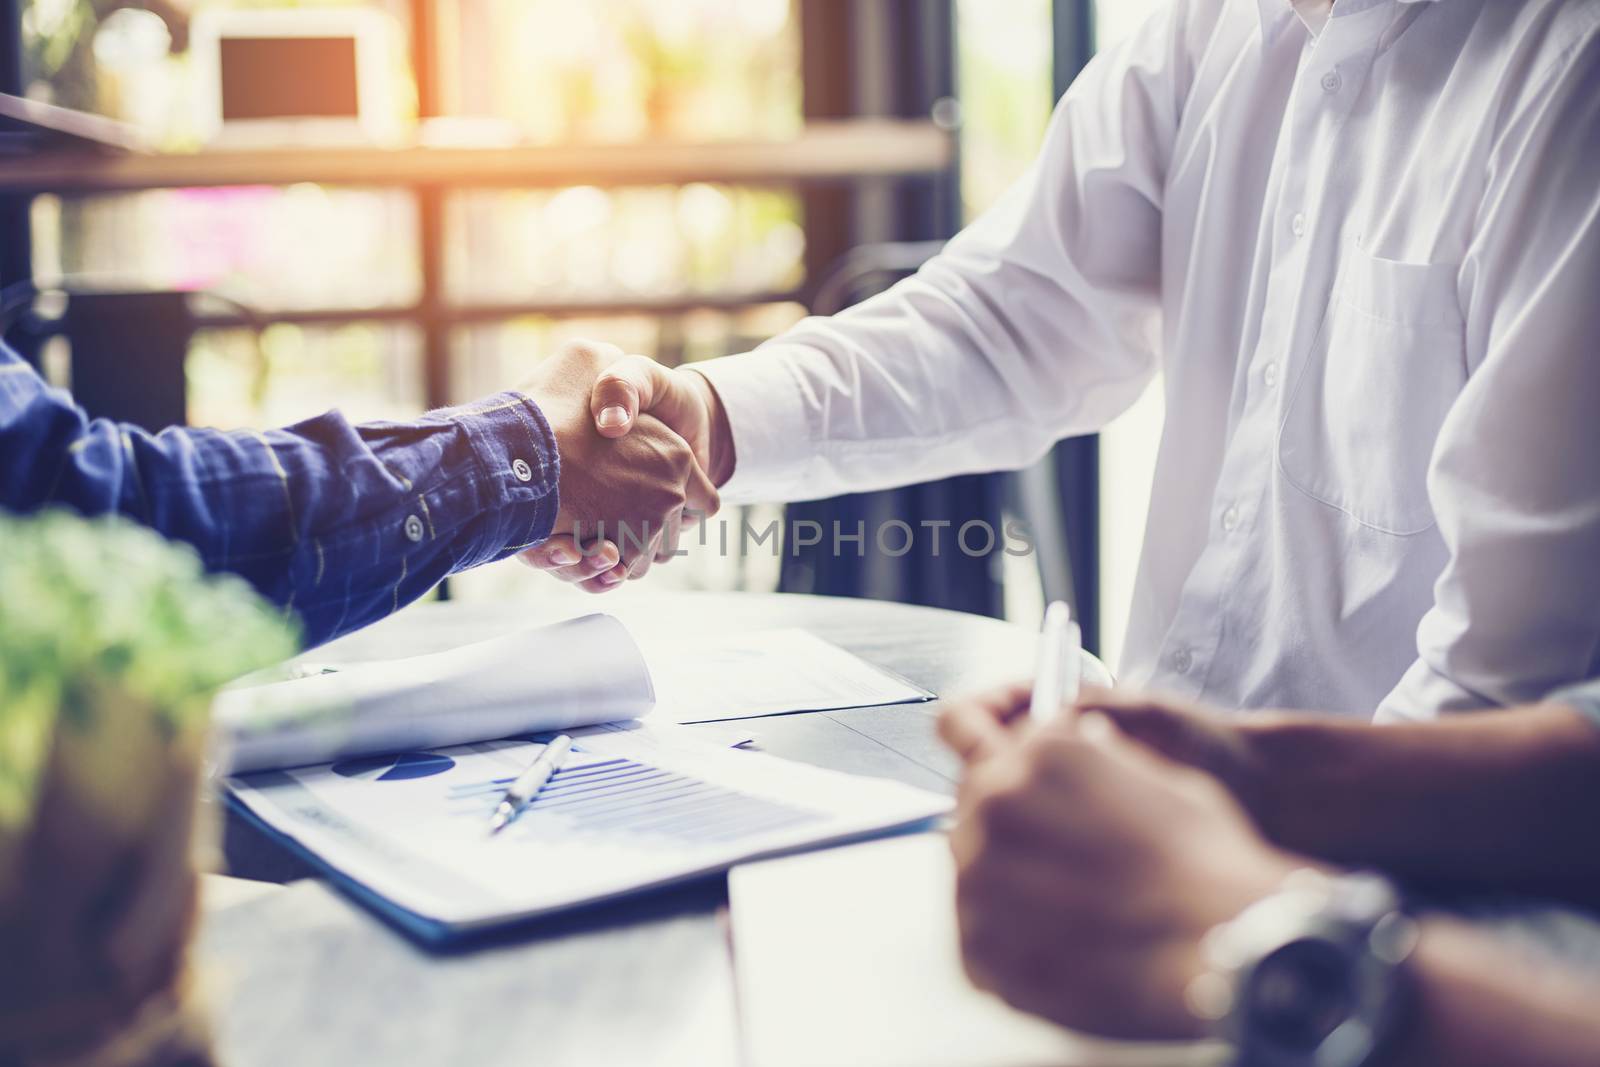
(1000, 719)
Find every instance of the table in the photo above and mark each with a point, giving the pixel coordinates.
(301, 976)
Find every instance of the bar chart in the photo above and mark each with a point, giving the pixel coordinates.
(624, 798)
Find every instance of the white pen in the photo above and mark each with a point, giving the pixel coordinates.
(529, 782)
(1060, 664)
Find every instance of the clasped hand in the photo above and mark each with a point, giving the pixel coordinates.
(643, 449)
(636, 445)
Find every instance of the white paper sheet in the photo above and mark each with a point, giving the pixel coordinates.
(768, 672)
(636, 806)
(850, 957)
(574, 673)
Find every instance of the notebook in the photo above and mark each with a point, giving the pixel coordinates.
(850, 958)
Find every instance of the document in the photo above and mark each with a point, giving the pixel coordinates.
(579, 672)
(850, 957)
(574, 673)
(769, 672)
(635, 806)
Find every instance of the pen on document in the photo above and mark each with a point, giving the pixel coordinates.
(1060, 664)
(529, 782)
(293, 672)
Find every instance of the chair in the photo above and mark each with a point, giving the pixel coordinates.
(128, 348)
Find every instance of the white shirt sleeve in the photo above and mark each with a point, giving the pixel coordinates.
(1038, 321)
(1515, 475)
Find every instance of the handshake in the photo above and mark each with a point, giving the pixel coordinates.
(643, 451)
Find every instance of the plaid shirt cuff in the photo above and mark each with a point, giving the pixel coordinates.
(519, 477)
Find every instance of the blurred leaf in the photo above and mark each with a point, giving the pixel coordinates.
(102, 616)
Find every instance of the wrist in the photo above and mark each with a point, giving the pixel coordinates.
(1218, 894)
(517, 452)
(1316, 973)
(722, 455)
(1244, 881)
(1478, 1002)
(1425, 1033)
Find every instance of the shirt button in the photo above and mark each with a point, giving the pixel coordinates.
(1331, 82)
(1297, 225)
(1269, 375)
(1182, 660)
(1230, 518)
(520, 468)
(413, 529)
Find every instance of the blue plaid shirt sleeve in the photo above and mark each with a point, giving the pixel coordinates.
(338, 523)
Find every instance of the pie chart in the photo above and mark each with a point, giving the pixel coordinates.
(395, 767)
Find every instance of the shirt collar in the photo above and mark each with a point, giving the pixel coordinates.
(1272, 11)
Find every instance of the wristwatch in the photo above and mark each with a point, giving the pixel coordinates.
(1311, 976)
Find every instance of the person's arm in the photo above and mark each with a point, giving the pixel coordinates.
(1039, 321)
(340, 524)
(1090, 871)
(1036, 322)
(1492, 798)
(343, 524)
(1477, 1003)
(1501, 799)
(1515, 481)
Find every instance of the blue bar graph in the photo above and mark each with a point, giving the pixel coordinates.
(626, 799)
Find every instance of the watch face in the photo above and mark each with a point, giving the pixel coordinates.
(1299, 995)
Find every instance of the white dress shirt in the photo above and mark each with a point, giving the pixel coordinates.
(1363, 244)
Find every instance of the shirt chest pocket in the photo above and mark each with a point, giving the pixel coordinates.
(1364, 411)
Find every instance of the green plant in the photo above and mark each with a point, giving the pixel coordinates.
(102, 617)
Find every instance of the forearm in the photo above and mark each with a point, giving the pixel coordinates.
(1500, 798)
(912, 387)
(377, 514)
(1036, 322)
(1478, 1004)
(340, 524)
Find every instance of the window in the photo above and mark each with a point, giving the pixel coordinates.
(383, 300)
